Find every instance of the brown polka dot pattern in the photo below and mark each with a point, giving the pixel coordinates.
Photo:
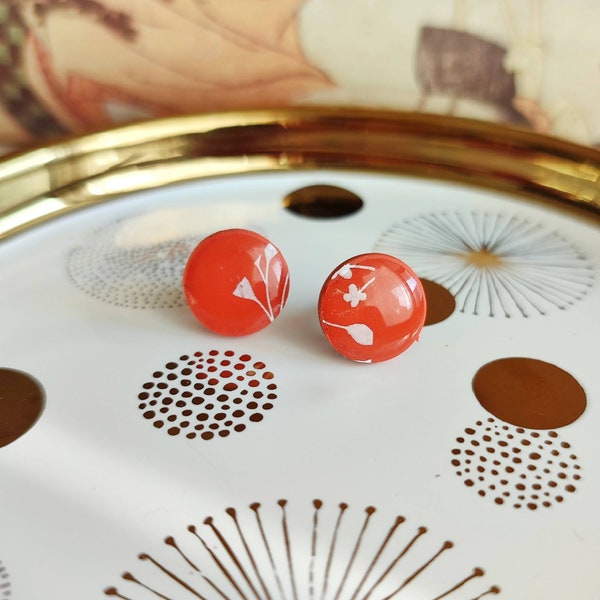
(208, 394)
(515, 466)
(135, 276)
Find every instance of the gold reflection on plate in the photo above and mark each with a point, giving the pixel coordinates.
(83, 171)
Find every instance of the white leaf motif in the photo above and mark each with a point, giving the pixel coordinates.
(361, 334)
(244, 290)
(270, 252)
(345, 272)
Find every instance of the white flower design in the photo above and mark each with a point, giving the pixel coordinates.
(354, 295)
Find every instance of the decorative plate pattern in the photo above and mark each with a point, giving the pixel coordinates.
(494, 264)
(262, 551)
(130, 272)
(114, 459)
(208, 394)
(516, 466)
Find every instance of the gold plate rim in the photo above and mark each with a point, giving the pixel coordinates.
(50, 181)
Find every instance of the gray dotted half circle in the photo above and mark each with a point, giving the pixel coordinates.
(118, 267)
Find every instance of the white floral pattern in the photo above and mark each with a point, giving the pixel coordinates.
(362, 334)
(245, 290)
(355, 295)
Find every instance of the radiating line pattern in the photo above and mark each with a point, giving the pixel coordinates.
(5, 592)
(494, 264)
(312, 551)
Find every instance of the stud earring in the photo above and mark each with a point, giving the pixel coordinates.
(236, 282)
(372, 307)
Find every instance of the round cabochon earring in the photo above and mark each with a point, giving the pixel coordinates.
(236, 282)
(372, 307)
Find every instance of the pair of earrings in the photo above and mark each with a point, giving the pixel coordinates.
(371, 307)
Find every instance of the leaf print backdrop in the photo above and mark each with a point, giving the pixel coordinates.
(522, 63)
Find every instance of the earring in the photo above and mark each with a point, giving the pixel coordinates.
(236, 282)
(372, 307)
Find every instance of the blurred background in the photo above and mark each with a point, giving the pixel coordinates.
(74, 66)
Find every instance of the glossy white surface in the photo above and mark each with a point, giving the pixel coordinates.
(93, 483)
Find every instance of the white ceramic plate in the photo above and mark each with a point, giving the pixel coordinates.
(323, 478)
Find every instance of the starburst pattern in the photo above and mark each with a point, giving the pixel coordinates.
(279, 551)
(492, 263)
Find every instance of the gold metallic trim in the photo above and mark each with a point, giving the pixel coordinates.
(50, 181)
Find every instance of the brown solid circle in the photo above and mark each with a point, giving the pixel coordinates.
(529, 393)
(322, 202)
(21, 404)
(440, 302)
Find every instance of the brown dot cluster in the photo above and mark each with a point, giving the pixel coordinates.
(136, 277)
(515, 466)
(208, 394)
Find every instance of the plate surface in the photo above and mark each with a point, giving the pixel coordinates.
(145, 457)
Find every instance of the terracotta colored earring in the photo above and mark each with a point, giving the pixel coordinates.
(236, 282)
(372, 307)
